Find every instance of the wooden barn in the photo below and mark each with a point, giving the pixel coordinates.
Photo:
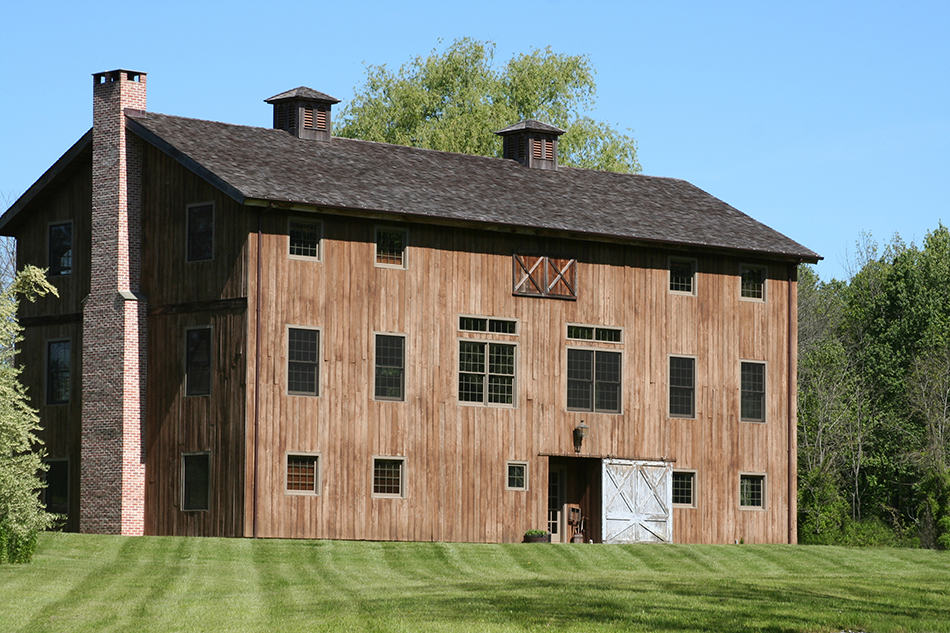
(280, 333)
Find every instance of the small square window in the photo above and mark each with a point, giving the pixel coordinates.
(304, 239)
(517, 476)
(303, 474)
(752, 397)
(60, 249)
(684, 488)
(682, 276)
(200, 232)
(198, 361)
(753, 282)
(388, 473)
(57, 372)
(752, 491)
(195, 481)
(391, 247)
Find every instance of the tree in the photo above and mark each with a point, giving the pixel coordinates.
(452, 100)
(22, 515)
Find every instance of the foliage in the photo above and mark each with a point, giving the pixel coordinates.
(21, 514)
(536, 533)
(453, 99)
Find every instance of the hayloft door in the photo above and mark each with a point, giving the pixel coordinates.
(638, 501)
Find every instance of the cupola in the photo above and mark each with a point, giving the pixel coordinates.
(304, 112)
(531, 143)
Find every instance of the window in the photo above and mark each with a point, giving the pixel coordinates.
(195, 481)
(303, 474)
(753, 392)
(753, 282)
(56, 493)
(486, 372)
(682, 276)
(752, 491)
(684, 488)
(540, 276)
(60, 249)
(198, 361)
(517, 476)
(391, 247)
(388, 476)
(303, 362)
(304, 238)
(593, 333)
(484, 324)
(390, 367)
(593, 380)
(682, 386)
(57, 372)
(200, 232)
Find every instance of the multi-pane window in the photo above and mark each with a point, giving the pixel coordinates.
(200, 232)
(388, 476)
(517, 476)
(304, 238)
(390, 367)
(198, 361)
(684, 488)
(56, 493)
(594, 333)
(753, 282)
(391, 247)
(682, 276)
(593, 380)
(303, 354)
(302, 474)
(682, 386)
(60, 249)
(752, 491)
(57, 372)
(486, 372)
(485, 324)
(195, 481)
(753, 392)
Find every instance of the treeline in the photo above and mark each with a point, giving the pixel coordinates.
(874, 398)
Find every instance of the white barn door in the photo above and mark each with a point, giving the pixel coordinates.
(638, 501)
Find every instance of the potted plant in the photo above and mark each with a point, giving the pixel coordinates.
(537, 536)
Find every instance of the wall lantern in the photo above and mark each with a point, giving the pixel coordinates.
(580, 432)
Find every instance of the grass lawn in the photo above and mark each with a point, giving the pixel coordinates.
(105, 583)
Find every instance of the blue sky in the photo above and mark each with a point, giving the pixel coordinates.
(820, 119)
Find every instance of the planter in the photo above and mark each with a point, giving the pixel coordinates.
(539, 538)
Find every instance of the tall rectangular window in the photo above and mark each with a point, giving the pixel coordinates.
(391, 247)
(753, 392)
(57, 372)
(198, 361)
(195, 481)
(682, 276)
(390, 367)
(304, 238)
(56, 492)
(303, 362)
(200, 232)
(752, 491)
(682, 386)
(388, 473)
(486, 372)
(60, 247)
(753, 282)
(593, 380)
(303, 474)
(684, 488)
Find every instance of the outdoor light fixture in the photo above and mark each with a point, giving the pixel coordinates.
(580, 432)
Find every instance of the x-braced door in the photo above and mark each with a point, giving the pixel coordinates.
(638, 501)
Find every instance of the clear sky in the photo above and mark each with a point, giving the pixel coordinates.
(820, 119)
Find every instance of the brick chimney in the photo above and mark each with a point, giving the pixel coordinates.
(531, 143)
(112, 460)
(304, 112)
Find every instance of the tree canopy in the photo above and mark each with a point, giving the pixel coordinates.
(452, 100)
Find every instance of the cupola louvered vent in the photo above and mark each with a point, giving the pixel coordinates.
(303, 112)
(531, 143)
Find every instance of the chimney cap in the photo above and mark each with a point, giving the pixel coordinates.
(530, 125)
(302, 92)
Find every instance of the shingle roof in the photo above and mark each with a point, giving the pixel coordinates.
(531, 124)
(269, 164)
(302, 92)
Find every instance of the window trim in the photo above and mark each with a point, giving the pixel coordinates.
(694, 264)
(405, 353)
(46, 376)
(301, 219)
(595, 350)
(72, 246)
(317, 475)
(514, 378)
(594, 340)
(181, 504)
(405, 250)
(210, 360)
(214, 215)
(765, 277)
(508, 465)
(765, 391)
(669, 387)
(694, 488)
(319, 330)
(403, 470)
(765, 488)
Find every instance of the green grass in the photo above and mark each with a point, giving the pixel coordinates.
(102, 583)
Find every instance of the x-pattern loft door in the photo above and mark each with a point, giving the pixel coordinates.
(638, 501)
